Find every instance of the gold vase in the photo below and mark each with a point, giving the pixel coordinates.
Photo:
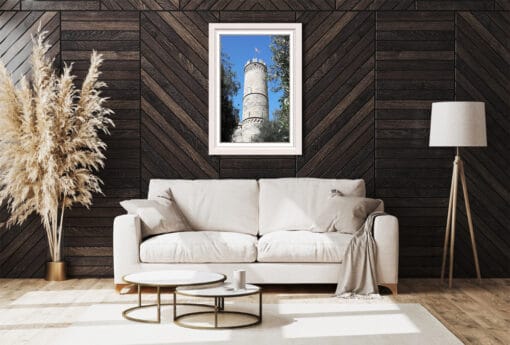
(56, 271)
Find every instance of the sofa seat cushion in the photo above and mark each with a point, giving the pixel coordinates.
(302, 246)
(199, 247)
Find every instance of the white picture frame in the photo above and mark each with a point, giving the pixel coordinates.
(294, 146)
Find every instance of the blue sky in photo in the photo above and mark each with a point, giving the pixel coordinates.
(240, 49)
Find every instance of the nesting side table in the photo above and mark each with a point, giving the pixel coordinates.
(219, 294)
(166, 279)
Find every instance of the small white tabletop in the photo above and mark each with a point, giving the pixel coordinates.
(225, 290)
(174, 278)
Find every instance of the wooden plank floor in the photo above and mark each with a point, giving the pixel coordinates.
(33, 311)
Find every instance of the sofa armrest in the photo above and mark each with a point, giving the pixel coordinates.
(386, 238)
(127, 236)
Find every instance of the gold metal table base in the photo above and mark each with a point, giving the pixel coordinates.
(126, 312)
(219, 308)
(158, 306)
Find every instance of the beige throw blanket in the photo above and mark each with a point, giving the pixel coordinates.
(358, 277)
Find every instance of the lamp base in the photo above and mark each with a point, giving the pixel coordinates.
(56, 271)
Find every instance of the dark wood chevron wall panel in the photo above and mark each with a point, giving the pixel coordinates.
(483, 74)
(140, 4)
(9, 5)
(338, 103)
(371, 70)
(16, 32)
(257, 5)
(375, 5)
(174, 96)
(116, 35)
(454, 5)
(415, 54)
(502, 5)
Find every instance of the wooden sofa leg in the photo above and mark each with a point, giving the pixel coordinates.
(125, 288)
(392, 287)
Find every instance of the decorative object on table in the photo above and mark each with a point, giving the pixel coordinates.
(458, 124)
(255, 89)
(239, 281)
(50, 144)
(167, 279)
(219, 293)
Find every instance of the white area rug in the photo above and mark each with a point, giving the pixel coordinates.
(288, 323)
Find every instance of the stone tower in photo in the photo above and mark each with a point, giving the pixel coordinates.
(255, 101)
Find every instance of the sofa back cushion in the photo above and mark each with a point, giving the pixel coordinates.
(297, 203)
(216, 205)
(158, 216)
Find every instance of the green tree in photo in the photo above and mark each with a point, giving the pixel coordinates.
(270, 132)
(277, 130)
(229, 88)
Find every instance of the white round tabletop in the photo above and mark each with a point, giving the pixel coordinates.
(225, 290)
(174, 278)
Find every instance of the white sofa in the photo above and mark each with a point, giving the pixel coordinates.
(251, 225)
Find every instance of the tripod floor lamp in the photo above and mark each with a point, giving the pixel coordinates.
(458, 124)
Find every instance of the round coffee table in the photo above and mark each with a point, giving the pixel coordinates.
(166, 279)
(219, 294)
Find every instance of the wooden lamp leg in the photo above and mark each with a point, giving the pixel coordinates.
(454, 216)
(447, 230)
(470, 220)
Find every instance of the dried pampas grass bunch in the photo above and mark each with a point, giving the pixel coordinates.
(49, 142)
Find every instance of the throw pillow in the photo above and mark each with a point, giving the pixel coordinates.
(345, 214)
(159, 216)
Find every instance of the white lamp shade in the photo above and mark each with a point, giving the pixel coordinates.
(458, 124)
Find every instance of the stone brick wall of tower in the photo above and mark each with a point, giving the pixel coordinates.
(255, 100)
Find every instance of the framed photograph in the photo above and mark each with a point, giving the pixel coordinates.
(255, 89)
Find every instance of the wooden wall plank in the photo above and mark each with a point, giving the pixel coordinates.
(379, 5)
(257, 167)
(60, 5)
(502, 5)
(139, 5)
(461, 5)
(9, 5)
